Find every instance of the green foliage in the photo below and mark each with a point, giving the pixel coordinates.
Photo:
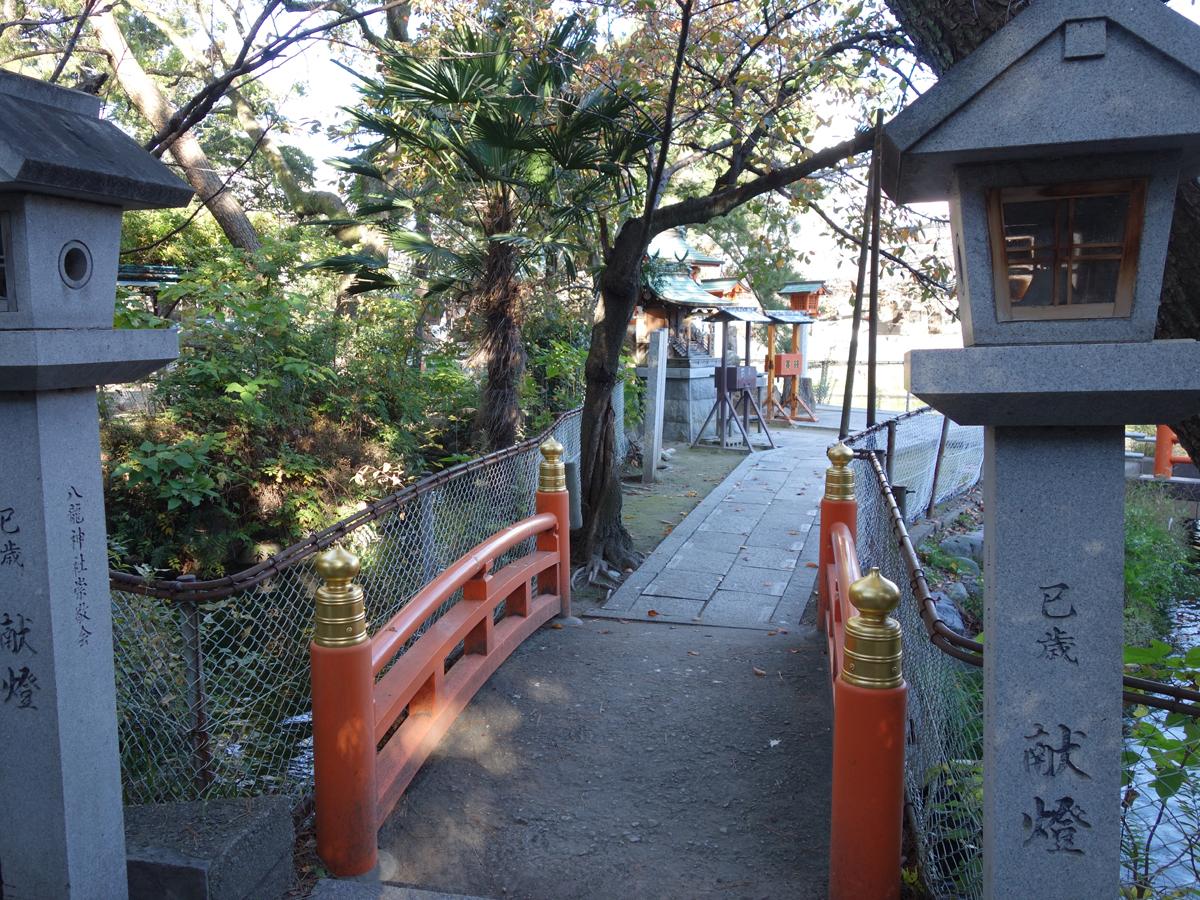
(177, 473)
(1158, 567)
(279, 415)
(1160, 776)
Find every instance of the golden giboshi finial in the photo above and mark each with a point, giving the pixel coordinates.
(552, 473)
(873, 638)
(839, 477)
(341, 619)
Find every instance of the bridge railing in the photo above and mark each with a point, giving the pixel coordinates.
(213, 692)
(943, 770)
(869, 702)
(380, 704)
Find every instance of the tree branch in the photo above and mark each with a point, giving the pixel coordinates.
(913, 270)
(696, 210)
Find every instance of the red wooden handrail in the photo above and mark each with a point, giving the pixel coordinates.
(390, 639)
(374, 729)
(843, 572)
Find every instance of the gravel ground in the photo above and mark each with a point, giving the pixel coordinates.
(630, 760)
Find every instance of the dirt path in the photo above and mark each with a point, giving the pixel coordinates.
(630, 760)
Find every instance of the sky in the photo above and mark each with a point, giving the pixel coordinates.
(312, 90)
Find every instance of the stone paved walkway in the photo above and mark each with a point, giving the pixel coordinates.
(745, 557)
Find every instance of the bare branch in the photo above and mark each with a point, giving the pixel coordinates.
(656, 180)
(913, 270)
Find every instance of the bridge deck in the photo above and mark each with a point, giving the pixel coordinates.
(665, 757)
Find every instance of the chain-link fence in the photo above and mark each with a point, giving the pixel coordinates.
(1160, 802)
(213, 691)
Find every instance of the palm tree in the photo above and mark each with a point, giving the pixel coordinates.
(510, 160)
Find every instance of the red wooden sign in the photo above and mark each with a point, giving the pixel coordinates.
(789, 365)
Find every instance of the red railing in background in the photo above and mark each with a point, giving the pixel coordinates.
(1165, 457)
(381, 704)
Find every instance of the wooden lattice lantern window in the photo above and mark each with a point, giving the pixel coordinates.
(1066, 251)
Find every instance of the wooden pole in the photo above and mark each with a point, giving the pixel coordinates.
(746, 406)
(873, 313)
(863, 252)
(769, 362)
(723, 384)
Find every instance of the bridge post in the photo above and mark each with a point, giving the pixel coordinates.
(343, 686)
(870, 697)
(552, 497)
(838, 505)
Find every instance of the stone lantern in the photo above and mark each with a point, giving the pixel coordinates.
(1060, 144)
(65, 178)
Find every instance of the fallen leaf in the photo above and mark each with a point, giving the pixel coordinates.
(760, 672)
(691, 494)
(810, 565)
(783, 631)
(608, 631)
(557, 626)
(772, 633)
(652, 612)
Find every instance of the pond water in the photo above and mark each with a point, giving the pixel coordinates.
(1164, 834)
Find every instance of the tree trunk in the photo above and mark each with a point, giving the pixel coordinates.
(497, 301)
(186, 150)
(945, 31)
(605, 537)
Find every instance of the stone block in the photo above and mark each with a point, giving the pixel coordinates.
(763, 582)
(737, 608)
(715, 540)
(767, 558)
(680, 608)
(716, 562)
(1059, 384)
(763, 536)
(216, 850)
(969, 545)
(1052, 613)
(685, 585)
(60, 359)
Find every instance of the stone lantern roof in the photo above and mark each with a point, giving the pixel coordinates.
(1063, 78)
(53, 142)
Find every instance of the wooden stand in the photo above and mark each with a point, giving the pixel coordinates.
(789, 368)
(736, 385)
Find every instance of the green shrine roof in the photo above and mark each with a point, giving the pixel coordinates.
(789, 316)
(737, 314)
(718, 284)
(802, 287)
(672, 246)
(672, 283)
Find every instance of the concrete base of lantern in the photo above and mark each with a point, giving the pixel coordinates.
(216, 850)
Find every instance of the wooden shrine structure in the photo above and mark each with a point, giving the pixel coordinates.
(788, 367)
